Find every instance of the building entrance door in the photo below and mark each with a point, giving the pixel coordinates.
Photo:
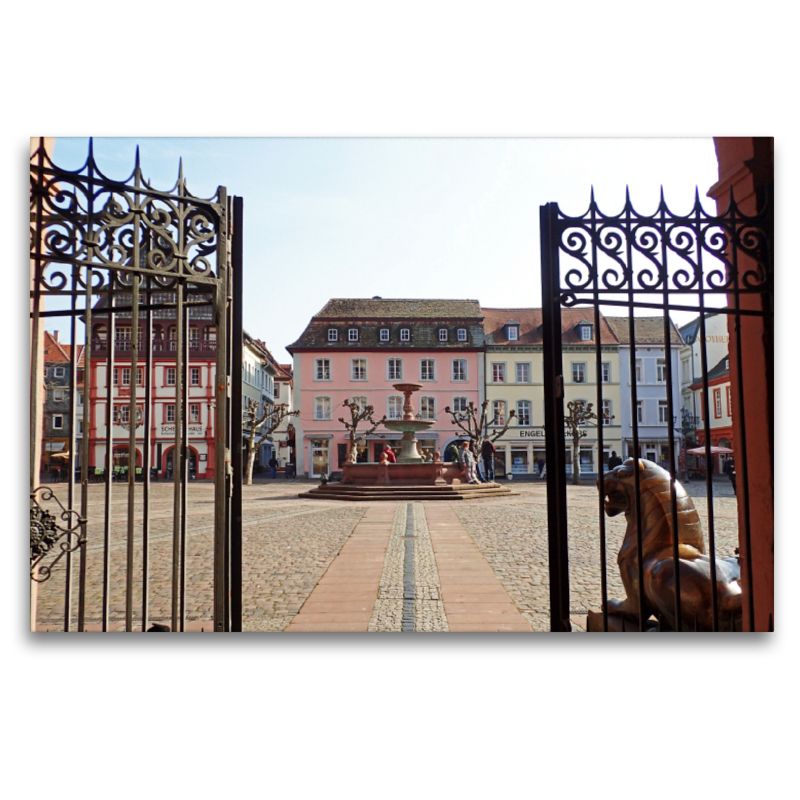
(320, 458)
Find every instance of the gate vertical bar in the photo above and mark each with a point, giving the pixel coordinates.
(132, 415)
(111, 335)
(73, 383)
(555, 444)
(177, 460)
(87, 401)
(220, 420)
(147, 384)
(237, 341)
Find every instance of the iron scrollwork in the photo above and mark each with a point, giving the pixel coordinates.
(51, 532)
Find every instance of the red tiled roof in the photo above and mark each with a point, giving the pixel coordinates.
(647, 330)
(530, 326)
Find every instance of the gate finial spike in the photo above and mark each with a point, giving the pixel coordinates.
(91, 147)
(136, 163)
(591, 195)
(180, 170)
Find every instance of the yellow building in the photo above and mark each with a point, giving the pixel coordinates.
(515, 381)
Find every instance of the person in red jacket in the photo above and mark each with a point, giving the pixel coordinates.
(389, 453)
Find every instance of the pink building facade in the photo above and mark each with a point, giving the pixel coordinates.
(357, 349)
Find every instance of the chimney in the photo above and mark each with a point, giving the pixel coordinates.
(54, 334)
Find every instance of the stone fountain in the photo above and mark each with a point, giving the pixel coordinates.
(408, 425)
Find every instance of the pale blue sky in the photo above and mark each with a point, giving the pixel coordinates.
(395, 217)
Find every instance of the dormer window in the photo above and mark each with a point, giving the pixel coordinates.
(333, 335)
(384, 334)
(442, 334)
(352, 335)
(513, 333)
(461, 335)
(405, 334)
(585, 332)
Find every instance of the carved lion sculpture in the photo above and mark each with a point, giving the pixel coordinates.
(658, 561)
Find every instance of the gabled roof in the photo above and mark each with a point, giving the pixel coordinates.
(423, 317)
(57, 353)
(720, 370)
(353, 309)
(530, 326)
(647, 330)
(690, 330)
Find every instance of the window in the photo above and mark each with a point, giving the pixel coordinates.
(461, 335)
(116, 376)
(170, 376)
(194, 336)
(139, 376)
(322, 408)
(459, 369)
(79, 398)
(523, 373)
(405, 334)
(639, 370)
(499, 412)
(427, 407)
(442, 334)
(498, 373)
(578, 372)
(717, 403)
(352, 335)
(427, 369)
(277, 391)
(360, 400)
(122, 415)
(58, 422)
(661, 370)
(333, 335)
(606, 412)
(459, 405)
(126, 376)
(194, 412)
(194, 373)
(394, 369)
(586, 333)
(384, 334)
(395, 407)
(59, 372)
(728, 398)
(663, 411)
(640, 410)
(323, 369)
(358, 369)
(523, 412)
(605, 372)
(512, 333)
(170, 412)
(686, 375)
(58, 395)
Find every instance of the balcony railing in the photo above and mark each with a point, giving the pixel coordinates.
(197, 347)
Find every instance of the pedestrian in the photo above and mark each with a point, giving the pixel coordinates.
(614, 461)
(540, 462)
(487, 456)
(452, 454)
(468, 463)
(389, 453)
(273, 466)
(729, 468)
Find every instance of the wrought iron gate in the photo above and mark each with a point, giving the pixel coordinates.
(136, 268)
(664, 262)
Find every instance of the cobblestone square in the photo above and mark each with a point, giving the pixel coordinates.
(446, 563)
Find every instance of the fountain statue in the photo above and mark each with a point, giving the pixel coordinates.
(409, 425)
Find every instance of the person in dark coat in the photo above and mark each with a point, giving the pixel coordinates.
(540, 462)
(614, 461)
(487, 456)
(273, 467)
(729, 468)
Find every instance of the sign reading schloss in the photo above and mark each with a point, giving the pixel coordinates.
(169, 430)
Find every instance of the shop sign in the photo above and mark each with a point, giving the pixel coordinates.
(195, 431)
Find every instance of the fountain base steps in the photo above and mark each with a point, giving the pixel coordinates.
(340, 491)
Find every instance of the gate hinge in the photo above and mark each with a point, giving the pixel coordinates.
(559, 386)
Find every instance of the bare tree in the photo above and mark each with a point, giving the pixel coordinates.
(257, 429)
(578, 417)
(476, 424)
(357, 416)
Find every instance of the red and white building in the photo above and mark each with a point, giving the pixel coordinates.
(161, 384)
(720, 413)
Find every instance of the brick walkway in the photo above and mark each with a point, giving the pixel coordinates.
(472, 596)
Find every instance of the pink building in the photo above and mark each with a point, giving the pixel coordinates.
(356, 348)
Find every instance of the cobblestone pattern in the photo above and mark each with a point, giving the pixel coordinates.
(288, 545)
(428, 608)
(512, 535)
(387, 615)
